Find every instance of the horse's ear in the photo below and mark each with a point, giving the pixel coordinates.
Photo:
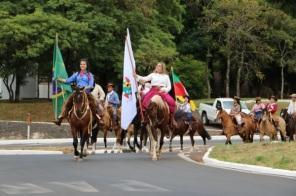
(73, 86)
(81, 88)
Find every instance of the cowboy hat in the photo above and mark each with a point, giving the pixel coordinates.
(293, 95)
(110, 84)
(273, 97)
(258, 98)
(236, 97)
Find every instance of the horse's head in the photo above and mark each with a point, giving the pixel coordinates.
(78, 94)
(220, 113)
(284, 114)
(265, 116)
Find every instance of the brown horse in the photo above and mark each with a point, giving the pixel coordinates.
(267, 127)
(109, 126)
(183, 128)
(157, 114)
(229, 128)
(80, 118)
(249, 129)
(290, 124)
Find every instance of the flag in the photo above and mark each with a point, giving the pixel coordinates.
(60, 91)
(129, 101)
(180, 90)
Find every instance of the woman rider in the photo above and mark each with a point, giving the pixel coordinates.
(82, 79)
(160, 85)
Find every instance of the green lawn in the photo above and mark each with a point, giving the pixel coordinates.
(41, 110)
(275, 155)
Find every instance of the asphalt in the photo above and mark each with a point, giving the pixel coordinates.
(129, 174)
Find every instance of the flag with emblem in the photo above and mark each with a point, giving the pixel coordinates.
(180, 90)
(129, 101)
(60, 91)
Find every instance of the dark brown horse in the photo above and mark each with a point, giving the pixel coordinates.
(290, 124)
(157, 114)
(80, 118)
(183, 128)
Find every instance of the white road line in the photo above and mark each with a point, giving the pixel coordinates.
(138, 186)
(25, 188)
(80, 186)
(29, 152)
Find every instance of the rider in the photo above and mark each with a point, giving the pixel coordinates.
(292, 106)
(112, 99)
(272, 107)
(82, 79)
(258, 108)
(236, 110)
(160, 85)
(185, 107)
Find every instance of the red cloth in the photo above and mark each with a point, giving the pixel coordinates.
(272, 107)
(165, 96)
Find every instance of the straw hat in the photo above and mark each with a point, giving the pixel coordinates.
(258, 98)
(293, 95)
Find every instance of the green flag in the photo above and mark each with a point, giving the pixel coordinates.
(60, 91)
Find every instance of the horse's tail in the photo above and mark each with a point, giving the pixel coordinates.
(207, 135)
(204, 134)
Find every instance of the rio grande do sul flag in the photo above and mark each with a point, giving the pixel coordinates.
(180, 90)
(129, 101)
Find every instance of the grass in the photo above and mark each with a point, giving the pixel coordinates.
(41, 110)
(275, 155)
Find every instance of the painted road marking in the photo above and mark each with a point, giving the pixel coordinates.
(25, 188)
(138, 186)
(81, 186)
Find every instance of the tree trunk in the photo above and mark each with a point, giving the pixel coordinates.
(227, 76)
(239, 70)
(17, 89)
(283, 78)
(208, 75)
(8, 84)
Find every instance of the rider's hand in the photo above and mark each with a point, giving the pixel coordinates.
(61, 80)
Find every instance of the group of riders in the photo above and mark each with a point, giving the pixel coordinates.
(258, 108)
(156, 83)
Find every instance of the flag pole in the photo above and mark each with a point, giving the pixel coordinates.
(56, 83)
(172, 71)
(134, 71)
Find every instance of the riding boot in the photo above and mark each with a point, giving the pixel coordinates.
(58, 121)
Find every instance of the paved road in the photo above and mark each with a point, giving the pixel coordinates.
(129, 174)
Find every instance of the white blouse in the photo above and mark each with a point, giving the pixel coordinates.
(160, 80)
(292, 107)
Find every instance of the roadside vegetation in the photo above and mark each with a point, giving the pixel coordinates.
(274, 155)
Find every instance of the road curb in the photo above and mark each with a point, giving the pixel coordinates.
(253, 169)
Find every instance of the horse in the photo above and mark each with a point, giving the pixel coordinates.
(249, 128)
(157, 114)
(290, 124)
(229, 128)
(267, 127)
(80, 118)
(183, 127)
(109, 126)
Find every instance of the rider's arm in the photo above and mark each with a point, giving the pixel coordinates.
(290, 108)
(145, 78)
(72, 78)
(90, 82)
(168, 85)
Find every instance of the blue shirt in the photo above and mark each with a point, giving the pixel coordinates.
(113, 99)
(85, 79)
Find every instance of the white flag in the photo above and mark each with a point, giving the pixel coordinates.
(129, 101)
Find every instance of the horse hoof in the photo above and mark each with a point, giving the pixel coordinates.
(80, 160)
(154, 158)
(76, 158)
(105, 151)
(112, 151)
(93, 152)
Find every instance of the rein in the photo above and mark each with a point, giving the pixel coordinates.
(86, 108)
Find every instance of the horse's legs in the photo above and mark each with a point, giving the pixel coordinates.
(75, 144)
(181, 142)
(84, 137)
(160, 144)
(105, 139)
(172, 137)
(192, 141)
